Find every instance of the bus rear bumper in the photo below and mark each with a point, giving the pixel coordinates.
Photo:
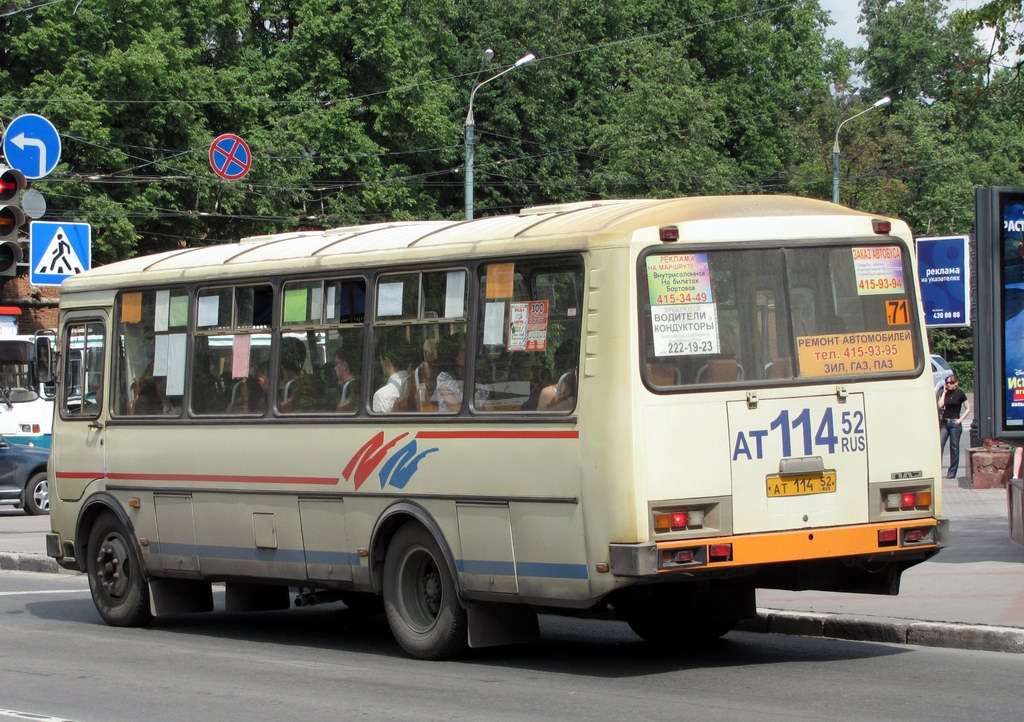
(913, 539)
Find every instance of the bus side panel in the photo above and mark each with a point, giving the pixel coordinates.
(550, 550)
(257, 535)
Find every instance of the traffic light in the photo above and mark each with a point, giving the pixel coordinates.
(12, 183)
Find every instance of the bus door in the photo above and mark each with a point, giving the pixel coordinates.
(78, 436)
(798, 462)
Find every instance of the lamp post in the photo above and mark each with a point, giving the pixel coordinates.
(471, 128)
(881, 103)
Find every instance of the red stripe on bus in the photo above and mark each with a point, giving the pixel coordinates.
(225, 477)
(79, 475)
(498, 435)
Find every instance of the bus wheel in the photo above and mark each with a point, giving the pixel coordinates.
(116, 581)
(37, 495)
(422, 607)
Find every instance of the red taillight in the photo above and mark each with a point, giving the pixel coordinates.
(684, 557)
(720, 552)
(886, 537)
(916, 535)
(679, 519)
(881, 227)
(909, 500)
(667, 234)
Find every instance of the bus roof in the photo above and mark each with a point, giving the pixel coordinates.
(570, 226)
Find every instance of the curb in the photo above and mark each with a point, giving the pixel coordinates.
(891, 630)
(12, 561)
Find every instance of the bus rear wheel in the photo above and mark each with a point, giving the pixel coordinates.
(116, 579)
(420, 601)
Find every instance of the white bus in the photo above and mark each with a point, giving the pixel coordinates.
(26, 404)
(644, 409)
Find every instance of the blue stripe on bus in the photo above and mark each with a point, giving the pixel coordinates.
(545, 570)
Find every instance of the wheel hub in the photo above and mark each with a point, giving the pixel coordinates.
(110, 572)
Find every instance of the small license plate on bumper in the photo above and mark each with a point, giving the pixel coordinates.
(819, 482)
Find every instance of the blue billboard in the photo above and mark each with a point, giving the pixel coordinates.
(944, 271)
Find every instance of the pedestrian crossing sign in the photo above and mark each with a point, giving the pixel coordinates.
(58, 250)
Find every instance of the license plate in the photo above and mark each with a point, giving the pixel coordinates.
(819, 482)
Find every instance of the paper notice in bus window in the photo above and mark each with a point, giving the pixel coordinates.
(240, 356)
(500, 279)
(209, 306)
(160, 355)
(528, 326)
(389, 299)
(844, 354)
(131, 307)
(162, 310)
(179, 311)
(879, 270)
(685, 330)
(494, 324)
(295, 304)
(176, 364)
(679, 278)
(455, 294)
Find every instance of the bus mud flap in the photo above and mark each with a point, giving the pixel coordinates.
(493, 625)
(179, 596)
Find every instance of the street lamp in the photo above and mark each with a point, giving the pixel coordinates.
(471, 126)
(881, 103)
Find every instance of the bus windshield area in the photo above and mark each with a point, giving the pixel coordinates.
(16, 374)
(773, 315)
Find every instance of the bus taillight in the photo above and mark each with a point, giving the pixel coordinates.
(678, 520)
(897, 500)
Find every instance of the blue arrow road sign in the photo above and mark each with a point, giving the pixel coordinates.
(58, 250)
(32, 145)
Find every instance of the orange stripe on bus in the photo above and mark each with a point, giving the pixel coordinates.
(792, 546)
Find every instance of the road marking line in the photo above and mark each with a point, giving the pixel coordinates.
(14, 714)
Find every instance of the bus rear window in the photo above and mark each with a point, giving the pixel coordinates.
(769, 315)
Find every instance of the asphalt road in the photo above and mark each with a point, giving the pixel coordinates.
(59, 660)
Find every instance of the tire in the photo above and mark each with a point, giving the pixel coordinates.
(420, 600)
(36, 499)
(116, 578)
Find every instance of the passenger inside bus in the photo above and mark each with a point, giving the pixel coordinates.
(347, 383)
(451, 364)
(394, 394)
(560, 395)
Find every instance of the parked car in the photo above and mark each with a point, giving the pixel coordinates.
(23, 477)
(940, 372)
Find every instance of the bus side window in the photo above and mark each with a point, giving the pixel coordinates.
(84, 351)
(529, 342)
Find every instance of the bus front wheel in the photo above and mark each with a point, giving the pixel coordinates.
(420, 601)
(116, 579)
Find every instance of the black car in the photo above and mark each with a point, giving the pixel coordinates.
(23, 477)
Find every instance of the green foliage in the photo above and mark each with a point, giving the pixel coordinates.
(964, 371)
(354, 110)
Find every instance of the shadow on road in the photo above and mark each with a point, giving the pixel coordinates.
(592, 648)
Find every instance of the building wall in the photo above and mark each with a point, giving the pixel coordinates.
(38, 304)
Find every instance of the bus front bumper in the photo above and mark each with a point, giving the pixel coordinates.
(913, 538)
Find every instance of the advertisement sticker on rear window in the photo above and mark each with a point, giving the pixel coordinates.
(879, 270)
(679, 278)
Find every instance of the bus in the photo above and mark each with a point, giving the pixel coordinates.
(637, 409)
(26, 403)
